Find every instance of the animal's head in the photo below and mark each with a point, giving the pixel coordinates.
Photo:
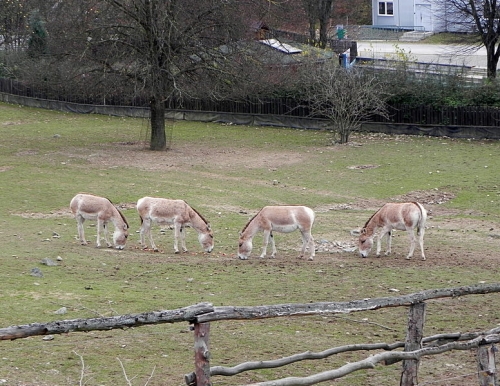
(365, 242)
(244, 248)
(206, 239)
(120, 236)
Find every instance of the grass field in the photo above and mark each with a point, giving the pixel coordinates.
(228, 173)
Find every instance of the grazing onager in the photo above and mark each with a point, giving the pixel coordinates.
(401, 216)
(283, 219)
(177, 212)
(90, 207)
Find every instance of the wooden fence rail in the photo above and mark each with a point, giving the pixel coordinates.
(200, 315)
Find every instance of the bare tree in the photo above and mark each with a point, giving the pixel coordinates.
(160, 50)
(13, 24)
(346, 97)
(163, 45)
(484, 15)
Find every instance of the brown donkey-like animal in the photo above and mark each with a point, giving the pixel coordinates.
(164, 211)
(90, 207)
(401, 216)
(281, 218)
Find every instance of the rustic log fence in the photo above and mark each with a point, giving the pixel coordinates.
(201, 315)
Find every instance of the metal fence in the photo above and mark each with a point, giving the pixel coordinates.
(399, 113)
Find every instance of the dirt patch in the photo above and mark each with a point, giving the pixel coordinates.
(125, 154)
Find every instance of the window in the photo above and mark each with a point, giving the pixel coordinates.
(386, 8)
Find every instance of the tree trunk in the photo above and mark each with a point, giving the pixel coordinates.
(158, 136)
(491, 67)
(492, 56)
(324, 21)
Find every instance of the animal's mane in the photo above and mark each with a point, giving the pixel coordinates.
(370, 219)
(121, 214)
(249, 221)
(123, 218)
(198, 213)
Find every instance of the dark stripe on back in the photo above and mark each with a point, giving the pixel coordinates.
(249, 221)
(121, 214)
(198, 213)
(370, 219)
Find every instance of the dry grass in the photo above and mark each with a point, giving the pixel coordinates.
(228, 173)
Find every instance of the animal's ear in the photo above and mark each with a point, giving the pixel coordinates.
(356, 232)
(125, 227)
(363, 231)
(209, 227)
(240, 233)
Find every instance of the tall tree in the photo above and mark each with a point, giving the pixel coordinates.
(165, 48)
(484, 15)
(318, 11)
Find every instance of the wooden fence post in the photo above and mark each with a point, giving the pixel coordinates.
(414, 335)
(486, 369)
(202, 354)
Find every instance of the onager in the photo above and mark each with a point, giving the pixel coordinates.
(90, 207)
(401, 216)
(284, 219)
(164, 211)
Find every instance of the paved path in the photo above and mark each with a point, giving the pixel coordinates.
(428, 53)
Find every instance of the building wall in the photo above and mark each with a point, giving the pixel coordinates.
(427, 15)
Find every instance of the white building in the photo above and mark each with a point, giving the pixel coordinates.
(418, 15)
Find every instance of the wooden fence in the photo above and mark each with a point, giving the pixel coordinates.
(201, 315)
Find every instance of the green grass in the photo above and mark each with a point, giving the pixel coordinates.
(228, 172)
(452, 38)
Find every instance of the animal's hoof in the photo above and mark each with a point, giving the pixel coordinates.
(408, 257)
(423, 258)
(176, 252)
(311, 258)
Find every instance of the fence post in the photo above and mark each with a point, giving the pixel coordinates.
(202, 354)
(486, 369)
(414, 335)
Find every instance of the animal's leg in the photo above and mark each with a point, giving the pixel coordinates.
(311, 246)
(146, 231)
(177, 235)
(267, 235)
(389, 243)
(379, 238)
(273, 245)
(411, 235)
(304, 244)
(81, 233)
(183, 239)
(99, 226)
(106, 233)
(420, 233)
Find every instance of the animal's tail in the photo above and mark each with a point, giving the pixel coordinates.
(422, 218)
